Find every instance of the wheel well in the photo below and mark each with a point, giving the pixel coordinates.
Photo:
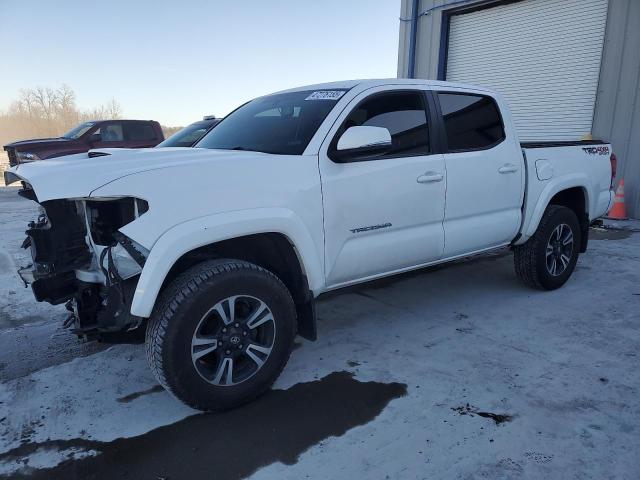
(575, 199)
(272, 251)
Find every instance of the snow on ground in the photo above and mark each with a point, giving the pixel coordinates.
(32, 333)
(501, 382)
(16, 302)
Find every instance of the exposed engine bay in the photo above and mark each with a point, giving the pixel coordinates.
(80, 258)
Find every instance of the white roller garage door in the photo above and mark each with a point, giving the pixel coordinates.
(542, 55)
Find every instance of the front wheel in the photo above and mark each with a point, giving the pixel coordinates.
(548, 258)
(221, 333)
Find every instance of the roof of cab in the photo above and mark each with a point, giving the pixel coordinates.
(369, 83)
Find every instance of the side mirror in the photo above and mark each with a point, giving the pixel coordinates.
(363, 140)
(94, 137)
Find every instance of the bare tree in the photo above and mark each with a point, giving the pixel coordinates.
(46, 100)
(113, 109)
(25, 103)
(68, 112)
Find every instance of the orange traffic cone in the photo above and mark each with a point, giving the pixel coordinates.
(618, 211)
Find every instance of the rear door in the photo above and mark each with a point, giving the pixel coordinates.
(383, 213)
(485, 174)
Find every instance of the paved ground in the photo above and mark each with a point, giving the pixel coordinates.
(456, 372)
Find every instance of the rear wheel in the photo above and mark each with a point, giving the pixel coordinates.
(548, 258)
(221, 334)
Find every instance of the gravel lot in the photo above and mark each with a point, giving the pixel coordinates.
(453, 372)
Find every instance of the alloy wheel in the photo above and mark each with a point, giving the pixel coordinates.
(233, 340)
(559, 250)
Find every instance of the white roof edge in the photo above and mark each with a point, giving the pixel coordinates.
(368, 83)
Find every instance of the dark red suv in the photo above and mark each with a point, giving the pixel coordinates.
(88, 135)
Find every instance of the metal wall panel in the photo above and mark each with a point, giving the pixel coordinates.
(617, 113)
(428, 37)
(403, 37)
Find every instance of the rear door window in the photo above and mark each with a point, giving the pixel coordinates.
(471, 122)
(139, 131)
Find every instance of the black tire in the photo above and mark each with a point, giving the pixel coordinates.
(530, 259)
(180, 311)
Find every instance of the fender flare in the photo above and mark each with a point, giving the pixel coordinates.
(548, 192)
(187, 236)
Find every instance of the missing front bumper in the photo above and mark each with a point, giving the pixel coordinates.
(97, 287)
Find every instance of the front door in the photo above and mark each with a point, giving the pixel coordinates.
(383, 213)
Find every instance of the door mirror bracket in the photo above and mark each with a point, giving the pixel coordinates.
(362, 140)
(93, 138)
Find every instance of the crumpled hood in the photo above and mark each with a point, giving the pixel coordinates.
(77, 176)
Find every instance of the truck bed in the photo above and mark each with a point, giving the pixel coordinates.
(553, 167)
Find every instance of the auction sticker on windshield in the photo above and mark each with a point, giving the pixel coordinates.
(326, 95)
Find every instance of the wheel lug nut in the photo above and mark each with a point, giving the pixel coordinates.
(244, 333)
(224, 330)
(240, 347)
(228, 352)
(237, 325)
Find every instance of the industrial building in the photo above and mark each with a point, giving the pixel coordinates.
(570, 69)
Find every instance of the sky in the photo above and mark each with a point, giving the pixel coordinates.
(175, 61)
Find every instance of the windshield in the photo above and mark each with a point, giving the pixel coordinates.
(78, 131)
(189, 135)
(282, 124)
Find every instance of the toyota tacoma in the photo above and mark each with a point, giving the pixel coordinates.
(218, 253)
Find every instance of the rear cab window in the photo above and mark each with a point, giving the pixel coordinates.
(471, 121)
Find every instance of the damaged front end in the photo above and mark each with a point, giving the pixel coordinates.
(82, 259)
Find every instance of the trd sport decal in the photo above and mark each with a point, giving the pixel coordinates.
(370, 227)
(596, 150)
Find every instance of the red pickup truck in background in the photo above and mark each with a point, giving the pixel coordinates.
(88, 135)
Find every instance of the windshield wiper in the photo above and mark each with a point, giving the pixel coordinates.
(242, 149)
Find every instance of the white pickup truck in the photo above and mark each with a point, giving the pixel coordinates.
(217, 253)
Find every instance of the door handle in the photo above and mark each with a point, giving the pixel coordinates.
(508, 168)
(430, 177)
